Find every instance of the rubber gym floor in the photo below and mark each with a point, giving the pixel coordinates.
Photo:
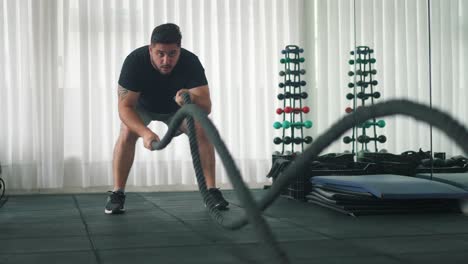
(174, 227)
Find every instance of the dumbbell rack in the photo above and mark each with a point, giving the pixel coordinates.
(293, 124)
(292, 95)
(363, 89)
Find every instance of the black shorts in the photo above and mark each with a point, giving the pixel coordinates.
(147, 117)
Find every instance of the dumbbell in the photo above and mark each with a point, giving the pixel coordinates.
(282, 73)
(364, 96)
(296, 110)
(277, 125)
(365, 84)
(288, 95)
(367, 124)
(367, 139)
(365, 73)
(365, 61)
(289, 60)
(295, 84)
(295, 51)
(289, 110)
(362, 73)
(348, 140)
(362, 51)
(306, 140)
(285, 140)
(287, 124)
(349, 110)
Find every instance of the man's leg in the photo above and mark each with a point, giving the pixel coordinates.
(207, 157)
(124, 153)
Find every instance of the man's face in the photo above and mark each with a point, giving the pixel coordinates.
(164, 57)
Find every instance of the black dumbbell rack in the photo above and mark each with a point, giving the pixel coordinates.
(363, 92)
(291, 96)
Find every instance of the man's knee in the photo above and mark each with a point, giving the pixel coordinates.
(127, 135)
(200, 132)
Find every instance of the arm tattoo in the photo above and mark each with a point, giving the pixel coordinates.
(122, 93)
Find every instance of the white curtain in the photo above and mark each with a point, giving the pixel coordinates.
(60, 65)
(449, 35)
(31, 106)
(398, 32)
(60, 61)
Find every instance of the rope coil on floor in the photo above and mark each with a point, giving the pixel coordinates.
(444, 122)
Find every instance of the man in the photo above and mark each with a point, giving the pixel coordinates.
(152, 81)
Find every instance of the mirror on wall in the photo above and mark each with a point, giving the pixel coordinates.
(449, 64)
(391, 62)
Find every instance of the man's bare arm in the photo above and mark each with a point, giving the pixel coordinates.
(122, 93)
(199, 95)
(127, 102)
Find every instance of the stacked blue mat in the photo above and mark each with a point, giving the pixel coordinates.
(388, 193)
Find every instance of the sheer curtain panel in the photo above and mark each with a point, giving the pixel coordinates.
(60, 64)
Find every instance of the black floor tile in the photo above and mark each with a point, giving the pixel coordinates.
(220, 235)
(169, 255)
(44, 244)
(38, 202)
(146, 226)
(413, 244)
(325, 248)
(175, 227)
(435, 258)
(78, 257)
(355, 228)
(28, 230)
(377, 259)
(40, 216)
(131, 216)
(161, 239)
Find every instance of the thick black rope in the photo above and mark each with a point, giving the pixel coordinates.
(2, 190)
(434, 117)
(253, 213)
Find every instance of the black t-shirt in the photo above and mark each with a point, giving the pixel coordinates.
(158, 90)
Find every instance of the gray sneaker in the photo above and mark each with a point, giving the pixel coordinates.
(115, 203)
(217, 200)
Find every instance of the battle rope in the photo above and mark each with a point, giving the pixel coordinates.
(434, 117)
(254, 215)
(2, 189)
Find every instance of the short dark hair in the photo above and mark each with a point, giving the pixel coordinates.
(166, 34)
